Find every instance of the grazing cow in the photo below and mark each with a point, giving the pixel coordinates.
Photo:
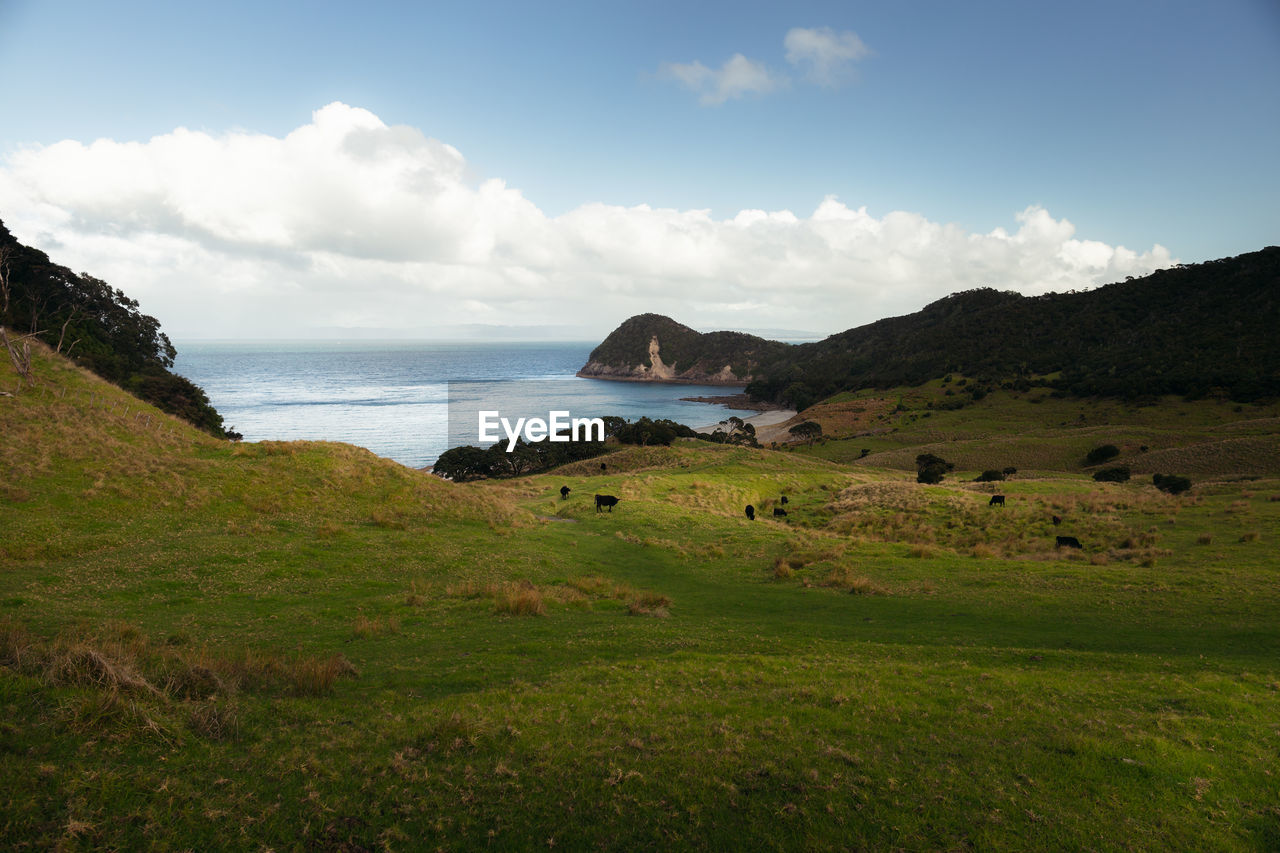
(1068, 542)
(564, 492)
(778, 511)
(1057, 520)
(784, 499)
(606, 500)
(996, 500)
(751, 513)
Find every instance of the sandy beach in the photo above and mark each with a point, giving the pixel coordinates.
(762, 422)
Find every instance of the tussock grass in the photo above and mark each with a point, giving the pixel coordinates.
(118, 659)
(519, 599)
(365, 627)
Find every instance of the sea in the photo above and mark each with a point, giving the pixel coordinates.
(396, 398)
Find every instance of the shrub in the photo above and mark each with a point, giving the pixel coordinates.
(1119, 474)
(931, 469)
(1102, 454)
(989, 476)
(1171, 484)
(931, 474)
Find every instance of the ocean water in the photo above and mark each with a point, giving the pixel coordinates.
(394, 398)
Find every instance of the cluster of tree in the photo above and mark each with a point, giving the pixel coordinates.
(683, 348)
(1187, 330)
(96, 326)
(475, 463)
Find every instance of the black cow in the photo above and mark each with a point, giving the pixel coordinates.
(996, 500)
(1068, 542)
(606, 500)
(778, 511)
(1057, 520)
(751, 513)
(564, 492)
(784, 499)
(603, 466)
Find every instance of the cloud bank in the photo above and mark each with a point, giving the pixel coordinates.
(347, 223)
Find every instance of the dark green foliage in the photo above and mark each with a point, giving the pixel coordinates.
(100, 328)
(683, 348)
(1186, 330)
(991, 475)
(647, 431)
(808, 430)
(926, 459)
(1119, 474)
(1172, 484)
(476, 463)
(1105, 453)
(931, 469)
(931, 474)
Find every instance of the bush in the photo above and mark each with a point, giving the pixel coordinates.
(989, 476)
(1119, 474)
(1171, 484)
(931, 474)
(1102, 454)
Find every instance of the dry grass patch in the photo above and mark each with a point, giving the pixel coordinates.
(844, 577)
(519, 599)
(118, 661)
(364, 627)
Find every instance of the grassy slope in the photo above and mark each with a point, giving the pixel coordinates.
(281, 644)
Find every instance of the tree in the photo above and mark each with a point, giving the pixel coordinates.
(930, 469)
(1102, 454)
(808, 430)
(19, 349)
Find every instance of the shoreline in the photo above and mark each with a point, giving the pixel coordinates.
(771, 418)
(738, 401)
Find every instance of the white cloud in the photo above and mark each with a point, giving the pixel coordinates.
(347, 221)
(826, 55)
(738, 77)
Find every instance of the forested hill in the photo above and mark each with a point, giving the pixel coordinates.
(656, 348)
(96, 326)
(1189, 330)
(1186, 330)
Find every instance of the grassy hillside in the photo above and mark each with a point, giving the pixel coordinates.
(300, 645)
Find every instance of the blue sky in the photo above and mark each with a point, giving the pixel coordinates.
(1081, 127)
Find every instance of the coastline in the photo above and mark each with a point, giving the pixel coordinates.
(767, 424)
(738, 401)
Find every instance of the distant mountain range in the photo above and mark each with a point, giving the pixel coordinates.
(1189, 330)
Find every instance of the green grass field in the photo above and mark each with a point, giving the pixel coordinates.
(301, 646)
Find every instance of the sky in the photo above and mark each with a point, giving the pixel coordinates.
(531, 170)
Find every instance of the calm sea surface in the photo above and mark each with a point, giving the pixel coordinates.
(393, 398)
